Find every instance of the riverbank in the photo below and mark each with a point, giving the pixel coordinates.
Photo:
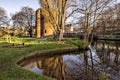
(9, 70)
(109, 38)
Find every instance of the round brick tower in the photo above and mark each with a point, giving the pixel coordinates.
(38, 23)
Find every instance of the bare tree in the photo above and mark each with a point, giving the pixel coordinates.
(109, 21)
(58, 11)
(25, 18)
(117, 14)
(91, 11)
(4, 20)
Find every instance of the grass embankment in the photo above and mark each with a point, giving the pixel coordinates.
(9, 70)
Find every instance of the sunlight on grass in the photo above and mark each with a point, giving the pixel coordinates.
(10, 55)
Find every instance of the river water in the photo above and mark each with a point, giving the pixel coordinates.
(102, 62)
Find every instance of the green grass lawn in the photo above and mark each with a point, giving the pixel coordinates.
(9, 70)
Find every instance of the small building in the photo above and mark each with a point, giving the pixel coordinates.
(68, 29)
(43, 26)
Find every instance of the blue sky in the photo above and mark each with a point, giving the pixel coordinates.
(12, 6)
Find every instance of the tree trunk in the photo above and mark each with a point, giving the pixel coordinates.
(86, 66)
(30, 32)
(60, 37)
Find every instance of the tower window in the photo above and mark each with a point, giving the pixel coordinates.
(45, 31)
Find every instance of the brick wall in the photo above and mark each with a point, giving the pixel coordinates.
(43, 26)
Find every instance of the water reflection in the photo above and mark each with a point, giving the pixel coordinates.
(101, 62)
(108, 53)
(53, 67)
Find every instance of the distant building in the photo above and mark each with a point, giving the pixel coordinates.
(68, 29)
(2, 31)
(1, 34)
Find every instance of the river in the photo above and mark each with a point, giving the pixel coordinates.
(102, 62)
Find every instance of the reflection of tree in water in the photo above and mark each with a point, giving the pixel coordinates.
(109, 57)
(84, 70)
(101, 63)
(117, 53)
(53, 67)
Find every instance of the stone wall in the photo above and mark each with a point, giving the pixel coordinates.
(43, 26)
